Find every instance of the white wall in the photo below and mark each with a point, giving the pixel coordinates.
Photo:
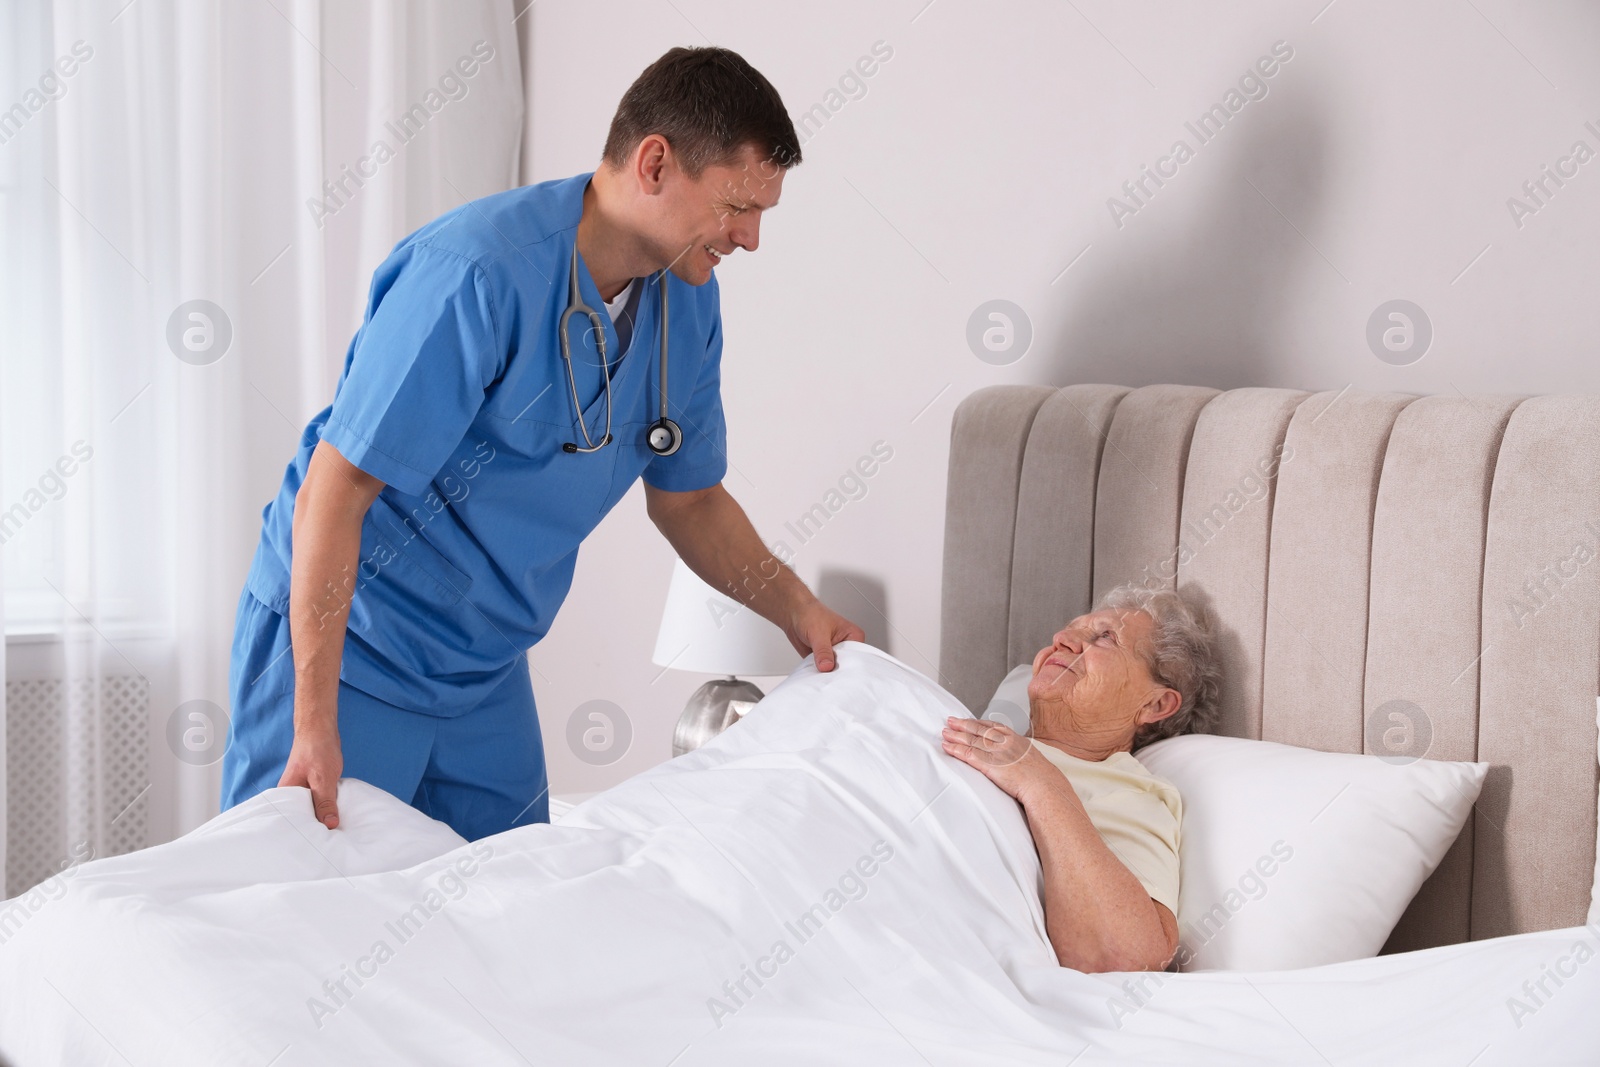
(978, 165)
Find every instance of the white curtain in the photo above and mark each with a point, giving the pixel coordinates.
(193, 197)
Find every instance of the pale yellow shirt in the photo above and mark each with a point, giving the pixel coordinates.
(1137, 814)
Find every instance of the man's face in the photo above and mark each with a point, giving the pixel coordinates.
(699, 220)
(1093, 674)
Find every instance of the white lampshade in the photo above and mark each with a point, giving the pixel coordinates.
(706, 631)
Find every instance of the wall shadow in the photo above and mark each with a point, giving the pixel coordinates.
(860, 597)
(1201, 298)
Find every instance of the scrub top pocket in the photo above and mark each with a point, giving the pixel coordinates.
(407, 535)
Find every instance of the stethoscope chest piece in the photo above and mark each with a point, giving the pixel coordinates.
(664, 437)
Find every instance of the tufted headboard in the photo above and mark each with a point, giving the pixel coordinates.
(1386, 573)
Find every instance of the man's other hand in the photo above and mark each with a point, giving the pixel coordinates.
(315, 761)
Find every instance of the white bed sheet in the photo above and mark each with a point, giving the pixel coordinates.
(608, 938)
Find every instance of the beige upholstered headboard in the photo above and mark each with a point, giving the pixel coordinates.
(1354, 550)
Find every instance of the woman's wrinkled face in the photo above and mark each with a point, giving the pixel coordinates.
(1092, 685)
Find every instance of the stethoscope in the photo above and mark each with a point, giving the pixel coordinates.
(664, 436)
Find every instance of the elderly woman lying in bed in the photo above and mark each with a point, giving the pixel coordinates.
(1136, 669)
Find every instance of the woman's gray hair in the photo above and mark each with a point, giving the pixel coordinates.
(1179, 654)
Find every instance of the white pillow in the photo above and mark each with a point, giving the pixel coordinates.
(1010, 702)
(1295, 858)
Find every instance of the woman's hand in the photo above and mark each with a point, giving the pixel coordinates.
(1004, 756)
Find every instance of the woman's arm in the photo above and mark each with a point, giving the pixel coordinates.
(1098, 914)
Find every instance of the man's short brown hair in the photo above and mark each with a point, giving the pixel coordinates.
(708, 103)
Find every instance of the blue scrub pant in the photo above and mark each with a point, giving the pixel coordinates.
(480, 772)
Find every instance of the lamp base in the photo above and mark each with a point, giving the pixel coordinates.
(713, 708)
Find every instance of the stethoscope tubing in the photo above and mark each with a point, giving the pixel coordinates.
(673, 436)
(576, 305)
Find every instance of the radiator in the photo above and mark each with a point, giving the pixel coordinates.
(77, 773)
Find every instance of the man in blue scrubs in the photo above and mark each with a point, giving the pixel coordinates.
(426, 530)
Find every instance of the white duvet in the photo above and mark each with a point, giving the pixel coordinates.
(821, 885)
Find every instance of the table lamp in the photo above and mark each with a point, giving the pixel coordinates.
(709, 632)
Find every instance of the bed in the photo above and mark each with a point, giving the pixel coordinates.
(821, 884)
(1414, 548)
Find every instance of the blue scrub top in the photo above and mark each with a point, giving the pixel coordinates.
(453, 394)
